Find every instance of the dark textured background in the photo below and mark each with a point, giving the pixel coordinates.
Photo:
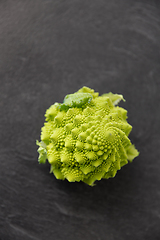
(49, 48)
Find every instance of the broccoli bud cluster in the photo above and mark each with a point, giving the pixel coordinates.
(86, 137)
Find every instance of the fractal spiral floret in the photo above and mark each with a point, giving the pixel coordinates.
(86, 137)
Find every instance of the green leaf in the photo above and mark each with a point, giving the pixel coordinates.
(115, 98)
(131, 152)
(42, 152)
(77, 99)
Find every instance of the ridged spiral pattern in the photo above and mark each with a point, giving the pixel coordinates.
(86, 137)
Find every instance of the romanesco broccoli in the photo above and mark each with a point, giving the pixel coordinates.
(86, 137)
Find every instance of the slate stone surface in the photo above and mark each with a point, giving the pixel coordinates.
(49, 48)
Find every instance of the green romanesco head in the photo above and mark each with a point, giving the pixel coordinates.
(86, 137)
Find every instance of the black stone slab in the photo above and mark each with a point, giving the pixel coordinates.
(51, 48)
